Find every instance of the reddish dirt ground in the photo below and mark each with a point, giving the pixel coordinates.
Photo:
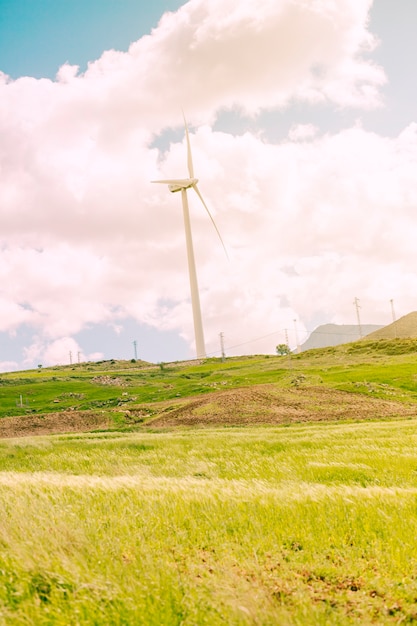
(52, 423)
(267, 404)
(261, 404)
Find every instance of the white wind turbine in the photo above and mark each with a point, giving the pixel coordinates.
(182, 184)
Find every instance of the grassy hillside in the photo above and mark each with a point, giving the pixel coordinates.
(403, 328)
(254, 492)
(128, 394)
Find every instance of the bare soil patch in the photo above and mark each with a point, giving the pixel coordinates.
(268, 404)
(260, 404)
(113, 381)
(53, 423)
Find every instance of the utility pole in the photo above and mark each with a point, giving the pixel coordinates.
(357, 305)
(286, 339)
(135, 348)
(70, 356)
(394, 320)
(221, 335)
(288, 346)
(78, 357)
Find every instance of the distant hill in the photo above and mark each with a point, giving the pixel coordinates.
(336, 334)
(403, 328)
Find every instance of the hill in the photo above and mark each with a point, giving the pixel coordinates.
(405, 327)
(357, 381)
(336, 334)
(270, 404)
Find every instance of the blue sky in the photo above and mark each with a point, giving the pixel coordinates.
(312, 148)
(38, 36)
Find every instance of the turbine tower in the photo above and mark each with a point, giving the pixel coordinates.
(182, 184)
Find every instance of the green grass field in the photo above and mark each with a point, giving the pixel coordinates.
(293, 524)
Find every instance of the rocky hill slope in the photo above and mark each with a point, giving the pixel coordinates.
(403, 328)
(336, 334)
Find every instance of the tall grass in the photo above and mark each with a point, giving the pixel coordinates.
(307, 524)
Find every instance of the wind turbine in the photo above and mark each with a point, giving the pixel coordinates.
(182, 184)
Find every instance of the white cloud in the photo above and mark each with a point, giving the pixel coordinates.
(62, 351)
(8, 366)
(258, 55)
(301, 132)
(86, 238)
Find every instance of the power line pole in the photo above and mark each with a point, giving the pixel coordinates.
(135, 348)
(357, 305)
(394, 320)
(221, 335)
(288, 346)
(70, 356)
(78, 357)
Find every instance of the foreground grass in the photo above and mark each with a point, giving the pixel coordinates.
(306, 524)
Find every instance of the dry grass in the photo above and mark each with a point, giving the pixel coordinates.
(310, 524)
(405, 327)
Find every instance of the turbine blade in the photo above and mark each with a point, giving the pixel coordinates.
(172, 181)
(189, 155)
(196, 189)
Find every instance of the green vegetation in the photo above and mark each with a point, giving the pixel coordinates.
(385, 369)
(282, 349)
(295, 524)
(306, 524)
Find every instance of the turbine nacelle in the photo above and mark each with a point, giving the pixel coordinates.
(177, 184)
(182, 184)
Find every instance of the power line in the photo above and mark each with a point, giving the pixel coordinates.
(348, 335)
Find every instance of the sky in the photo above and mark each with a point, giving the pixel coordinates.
(304, 137)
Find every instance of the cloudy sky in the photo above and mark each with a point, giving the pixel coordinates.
(304, 135)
